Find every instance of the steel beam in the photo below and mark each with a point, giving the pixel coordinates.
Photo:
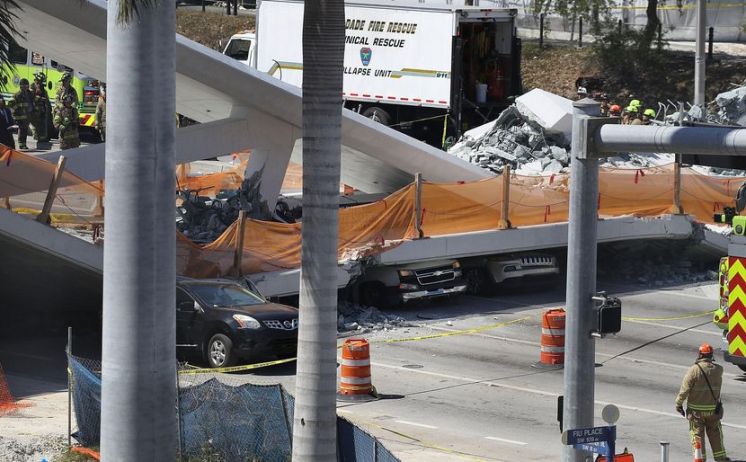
(707, 141)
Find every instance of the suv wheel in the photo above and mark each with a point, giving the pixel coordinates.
(219, 351)
(477, 281)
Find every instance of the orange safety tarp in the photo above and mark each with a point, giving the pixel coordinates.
(26, 178)
(458, 208)
(372, 228)
(270, 246)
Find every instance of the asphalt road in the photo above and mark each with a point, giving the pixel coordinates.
(476, 396)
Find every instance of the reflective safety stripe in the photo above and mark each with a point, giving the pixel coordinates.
(551, 349)
(701, 407)
(553, 332)
(354, 380)
(354, 362)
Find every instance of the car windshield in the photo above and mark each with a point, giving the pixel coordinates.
(239, 49)
(225, 295)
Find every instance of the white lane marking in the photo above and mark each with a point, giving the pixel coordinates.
(532, 391)
(668, 326)
(347, 411)
(605, 355)
(684, 294)
(503, 440)
(415, 424)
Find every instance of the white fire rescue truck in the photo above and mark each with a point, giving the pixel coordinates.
(431, 71)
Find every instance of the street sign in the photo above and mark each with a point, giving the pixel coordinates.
(597, 440)
(596, 448)
(589, 435)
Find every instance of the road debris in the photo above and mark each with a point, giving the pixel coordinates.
(363, 319)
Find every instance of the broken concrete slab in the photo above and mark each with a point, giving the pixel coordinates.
(552, 112)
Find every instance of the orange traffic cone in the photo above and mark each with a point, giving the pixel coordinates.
(8, 404)
(698, 450)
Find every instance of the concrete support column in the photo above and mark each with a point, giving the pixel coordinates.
(581, 281)
(267, 166)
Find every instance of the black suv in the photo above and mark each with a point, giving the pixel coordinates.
(223, 322)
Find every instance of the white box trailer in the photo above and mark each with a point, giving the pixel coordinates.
(428, 70)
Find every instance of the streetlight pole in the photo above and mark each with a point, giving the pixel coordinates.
(581, 280)
(699, 58)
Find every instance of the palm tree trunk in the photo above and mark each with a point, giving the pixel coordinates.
(138, 416)
(315, 429)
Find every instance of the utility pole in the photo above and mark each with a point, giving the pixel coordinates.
(699, 58)
(581, 280)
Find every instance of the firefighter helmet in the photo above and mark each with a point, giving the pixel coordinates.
(705, 349)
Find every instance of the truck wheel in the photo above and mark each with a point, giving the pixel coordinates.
(377, 114)
(375, 294)
(220, 351)
(477, 281)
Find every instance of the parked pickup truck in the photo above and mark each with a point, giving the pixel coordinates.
(483, 274)
(386, 286)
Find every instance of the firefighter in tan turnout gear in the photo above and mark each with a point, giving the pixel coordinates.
(701, 391)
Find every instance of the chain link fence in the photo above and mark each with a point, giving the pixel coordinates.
(222, 418)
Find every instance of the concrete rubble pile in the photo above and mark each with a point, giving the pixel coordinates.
(533, 137)
(360, 318)
(732, 107)
(202, 219)
(515, 140)
(729, 109)
(652, 264)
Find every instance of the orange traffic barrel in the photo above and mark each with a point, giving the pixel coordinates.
(354, 382)
(623, 457)
(553, 338)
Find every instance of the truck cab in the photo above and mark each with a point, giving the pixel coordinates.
(388, 286)
(242, 47)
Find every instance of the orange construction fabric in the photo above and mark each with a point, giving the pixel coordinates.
(24, 180)
(270, 246)
(458, 208)
(370, 229)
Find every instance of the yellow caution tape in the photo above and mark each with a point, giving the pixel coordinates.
(455, 332)
(673, 318)
(474, 330)
(246, 367)
(55, 217)
(429, 445)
